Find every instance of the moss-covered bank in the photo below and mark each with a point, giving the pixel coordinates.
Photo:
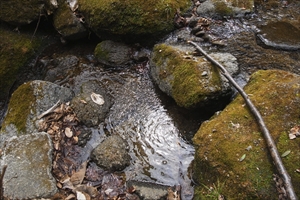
(222, 142)
(16, 49)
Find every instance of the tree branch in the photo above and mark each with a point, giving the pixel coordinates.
(267, 136)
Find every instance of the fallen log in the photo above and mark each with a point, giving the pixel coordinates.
(266, 134)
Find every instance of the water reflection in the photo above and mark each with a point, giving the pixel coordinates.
(159, 154)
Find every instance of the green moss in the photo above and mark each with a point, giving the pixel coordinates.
(189, 87)
(223, 140)
(15, 51)
(21, 12)
(223, 9)
(100, 53)
(19, 107)
(131, 17)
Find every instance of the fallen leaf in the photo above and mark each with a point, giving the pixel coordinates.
(68, 132)
(286, 153)
(78, 176)
(242, 158)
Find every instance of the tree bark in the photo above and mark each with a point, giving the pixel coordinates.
(267, 136)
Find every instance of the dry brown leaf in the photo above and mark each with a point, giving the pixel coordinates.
(92, 191)
(78, 176)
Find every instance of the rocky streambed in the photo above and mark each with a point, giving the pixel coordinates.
(134, 108)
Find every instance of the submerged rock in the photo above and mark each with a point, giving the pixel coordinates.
(230, 149)
(280, 35)
(191, 81)
(112, 154)
(29, 163)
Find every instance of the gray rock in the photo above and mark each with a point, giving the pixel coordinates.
(113, 53)
(67, 24)
(60, 67)
(87, 111)
(29, 163)
(112, 154)
(149, 191)
(206, 7)
(221, 8)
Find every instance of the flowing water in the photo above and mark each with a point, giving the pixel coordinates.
(149, 121)
(157, 131)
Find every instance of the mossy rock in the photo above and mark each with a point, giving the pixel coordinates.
(190, 81)
(27, 103)
(221, 142)
(18, 12)
(225, 7)
(16, 49)
(134, 17)
(67, 24)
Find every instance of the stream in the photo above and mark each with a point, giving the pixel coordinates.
(159, 132)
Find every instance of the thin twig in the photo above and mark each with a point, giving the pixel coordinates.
(1, 182)
(49, 110)
(267, 136)
(37, 25)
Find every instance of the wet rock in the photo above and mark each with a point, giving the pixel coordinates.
(112, 154)
(29, 163)
(29, 101)
(16, 51)
(67, 24)
(24, 12)
(113, 53)
(87, 110)
(180, 75)
(280, 35)
(222, 143)
(60, 68)
(137, 17)
(149, 191)
(216, 8)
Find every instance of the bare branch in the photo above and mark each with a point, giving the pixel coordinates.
(267, 136)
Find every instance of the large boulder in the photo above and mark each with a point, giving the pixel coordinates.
(231, 154)
(191, 81)
(16, 51)
(133, 17)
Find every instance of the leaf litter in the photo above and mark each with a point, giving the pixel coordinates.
(76, 178)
